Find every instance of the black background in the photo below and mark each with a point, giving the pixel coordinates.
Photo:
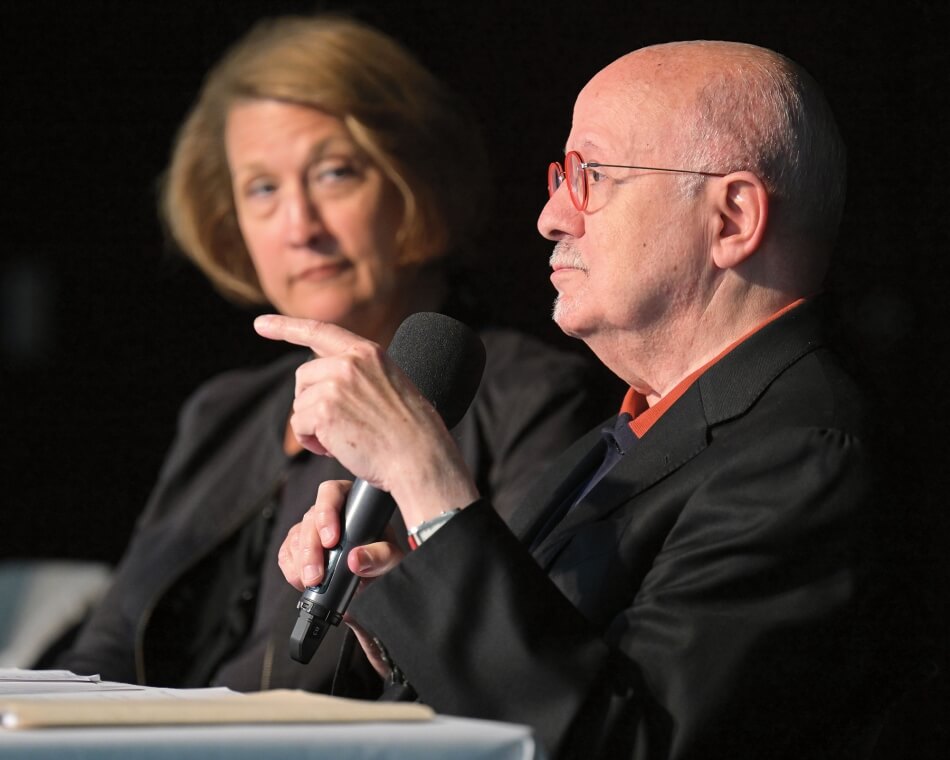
(104, 331)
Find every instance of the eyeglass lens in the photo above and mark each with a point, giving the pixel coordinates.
(555, 177)
(575, 175)
(576, 178)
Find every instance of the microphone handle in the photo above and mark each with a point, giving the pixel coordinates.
(367, 512)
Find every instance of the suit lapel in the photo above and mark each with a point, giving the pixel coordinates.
(557, 483)
(678, 436)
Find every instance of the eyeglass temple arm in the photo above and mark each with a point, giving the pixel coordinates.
(597, 165)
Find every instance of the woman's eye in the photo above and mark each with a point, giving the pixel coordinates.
(596, 176)
(332, 172)
(260, 188)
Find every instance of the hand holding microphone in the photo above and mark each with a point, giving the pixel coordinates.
(380, 417)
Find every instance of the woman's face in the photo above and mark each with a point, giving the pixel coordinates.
(318, 217)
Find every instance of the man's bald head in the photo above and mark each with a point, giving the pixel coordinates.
(732, 106)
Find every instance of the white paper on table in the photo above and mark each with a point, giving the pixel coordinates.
(16, 682)
(20, 674)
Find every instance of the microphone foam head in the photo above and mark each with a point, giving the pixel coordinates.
(444, 359)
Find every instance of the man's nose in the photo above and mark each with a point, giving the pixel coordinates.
(560, 218)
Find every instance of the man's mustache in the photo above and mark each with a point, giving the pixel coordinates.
(566, 255)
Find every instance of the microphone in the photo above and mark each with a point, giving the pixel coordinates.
(444, 359)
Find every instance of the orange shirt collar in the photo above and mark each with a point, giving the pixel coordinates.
(643, 415)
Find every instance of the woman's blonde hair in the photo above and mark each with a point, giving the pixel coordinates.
(409, 124)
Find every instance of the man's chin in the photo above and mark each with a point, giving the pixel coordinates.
(565, 317)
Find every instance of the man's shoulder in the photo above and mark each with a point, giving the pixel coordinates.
(787, 369)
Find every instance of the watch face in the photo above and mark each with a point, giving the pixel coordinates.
(428, 531)
(424, 531)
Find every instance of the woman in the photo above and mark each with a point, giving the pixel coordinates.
(325, 172)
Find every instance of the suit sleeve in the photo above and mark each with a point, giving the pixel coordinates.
(742, 634)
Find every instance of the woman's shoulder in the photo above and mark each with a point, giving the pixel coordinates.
(524, 371)
(237, 388)
(514, 353)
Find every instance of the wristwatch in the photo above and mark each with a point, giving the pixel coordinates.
(426, 529)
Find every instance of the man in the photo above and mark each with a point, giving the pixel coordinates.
(692, 581)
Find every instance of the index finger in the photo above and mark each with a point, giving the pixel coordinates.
(325, 338)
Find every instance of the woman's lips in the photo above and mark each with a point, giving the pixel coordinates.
(321, 272)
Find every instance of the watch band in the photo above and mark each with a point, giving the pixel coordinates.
(426, 529)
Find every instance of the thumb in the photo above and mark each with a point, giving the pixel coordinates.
(374, 560)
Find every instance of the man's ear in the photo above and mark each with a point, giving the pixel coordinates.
(742, 204)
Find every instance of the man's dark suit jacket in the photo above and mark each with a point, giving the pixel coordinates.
(707, 599)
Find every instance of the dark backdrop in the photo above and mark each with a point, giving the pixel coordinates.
(104, 331)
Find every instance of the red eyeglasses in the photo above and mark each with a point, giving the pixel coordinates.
(575, 170)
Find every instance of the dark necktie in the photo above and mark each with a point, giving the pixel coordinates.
(618, 440)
